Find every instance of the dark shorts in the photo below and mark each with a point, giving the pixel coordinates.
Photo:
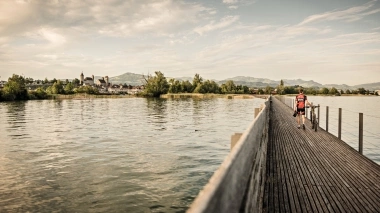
(301, 111)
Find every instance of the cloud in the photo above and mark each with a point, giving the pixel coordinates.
(224, 22)
(230, 1)
(54, 38)
(111, 18)
(348, 15)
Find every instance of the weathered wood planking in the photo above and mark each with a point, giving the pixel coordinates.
(238, 184)
(311, 171)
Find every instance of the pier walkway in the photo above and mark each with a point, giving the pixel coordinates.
(276, 167)
(309, 171)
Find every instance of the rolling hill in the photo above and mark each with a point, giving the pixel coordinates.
(137, 79)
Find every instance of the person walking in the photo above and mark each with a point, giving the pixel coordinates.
(300, 103)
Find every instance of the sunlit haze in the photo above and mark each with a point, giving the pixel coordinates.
(327, 41)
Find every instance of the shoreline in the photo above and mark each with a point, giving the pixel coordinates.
(86, 96)
(207, 95)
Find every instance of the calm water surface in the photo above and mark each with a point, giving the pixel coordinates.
(113, 155)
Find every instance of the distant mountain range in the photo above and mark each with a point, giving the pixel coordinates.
(137, 79)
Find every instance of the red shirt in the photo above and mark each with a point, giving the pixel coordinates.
(301, 98)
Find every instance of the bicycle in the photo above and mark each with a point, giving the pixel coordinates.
(313, 117)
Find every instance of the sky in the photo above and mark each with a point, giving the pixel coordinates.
(327, 41)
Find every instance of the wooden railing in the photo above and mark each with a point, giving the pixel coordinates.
(238, 184)
(290, 103)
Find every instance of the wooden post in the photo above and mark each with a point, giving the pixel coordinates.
(327, 118)
(306, 112)
(257, 110)
(318, 114)
(234, 139)
(361, 133)
(340, 124)
(293, 104)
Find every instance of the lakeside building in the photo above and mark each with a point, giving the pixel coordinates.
(105, 86)
(90, 81)
(104, 82)
(125, 89)
(2, 83)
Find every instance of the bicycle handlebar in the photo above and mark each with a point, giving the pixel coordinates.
(312, 106)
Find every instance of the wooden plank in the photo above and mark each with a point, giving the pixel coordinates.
(317, 172)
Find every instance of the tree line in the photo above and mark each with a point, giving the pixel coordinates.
(154, 86)
(16, 88)
(158, 84)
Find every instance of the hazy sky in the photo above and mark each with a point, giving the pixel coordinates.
(328, 41)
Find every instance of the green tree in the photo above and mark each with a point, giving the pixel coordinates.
(240, 89)
(46, 81)
(333, 91)
(199, 89)
(29, 80)
(197, 80)
(324, 90)
(53, 81)
(280, 88)
(76, 82)
(348, 91)
(361, 91)
(39, 93)
(175, 86)
(57, 88)
(186, 86)
(15, 89)
(268, 89)
(228, 88)
(311, 90)
(86, 89)
(214, 87)
(290, 90)
(156, 85)
(207, 87)
(69, 88)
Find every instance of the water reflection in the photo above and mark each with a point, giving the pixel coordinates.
(16, 117)
(113, 155)
(157, 112)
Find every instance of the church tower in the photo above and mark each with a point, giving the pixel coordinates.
(81, 79)
(107, 81)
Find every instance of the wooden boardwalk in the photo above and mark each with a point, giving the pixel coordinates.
(309, 171)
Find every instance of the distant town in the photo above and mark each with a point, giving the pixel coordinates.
(102, 86)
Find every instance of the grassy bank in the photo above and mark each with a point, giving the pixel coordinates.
(208, 95)
(87, 96)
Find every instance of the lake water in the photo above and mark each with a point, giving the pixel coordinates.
(351, 107)
(114, 155)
